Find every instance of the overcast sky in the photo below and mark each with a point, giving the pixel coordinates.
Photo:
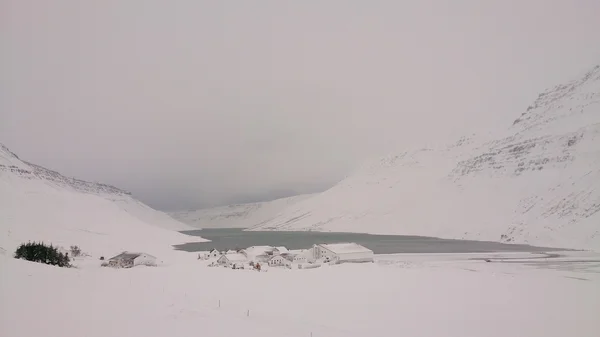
(197, 103)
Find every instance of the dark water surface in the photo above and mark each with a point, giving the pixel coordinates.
(234, 238)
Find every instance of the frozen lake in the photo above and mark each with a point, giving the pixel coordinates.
(234, 238)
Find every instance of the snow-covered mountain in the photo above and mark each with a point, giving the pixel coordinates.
(538, 183)
(237, 215)
(38, 204)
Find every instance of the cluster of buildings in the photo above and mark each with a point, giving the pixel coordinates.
(257, 256)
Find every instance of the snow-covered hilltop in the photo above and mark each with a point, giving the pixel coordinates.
(539, 183)
(43, 205)
(237, 215)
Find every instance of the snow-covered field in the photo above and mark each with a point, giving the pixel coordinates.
(411, 295)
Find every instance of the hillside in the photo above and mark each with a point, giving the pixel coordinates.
(237, 215)
(538, 183)
(40, 204)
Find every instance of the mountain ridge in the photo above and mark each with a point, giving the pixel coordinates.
(538, 182)
(42, 205)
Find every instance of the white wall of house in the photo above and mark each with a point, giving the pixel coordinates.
(145, 260)
(278, 261)
(322, 253)
(300, 259)
(358, 256)
(223, 261)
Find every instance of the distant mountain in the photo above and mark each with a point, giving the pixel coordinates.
(40, 204)
(238, 215)
(538, 183)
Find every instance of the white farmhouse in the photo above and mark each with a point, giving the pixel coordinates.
(342, 252)
(232, 260)
(130, 259)
(277, 261)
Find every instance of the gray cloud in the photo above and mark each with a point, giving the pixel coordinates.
(194, 103)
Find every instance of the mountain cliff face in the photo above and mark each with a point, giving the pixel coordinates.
(237, 215)
(43, 205)
(538, 183)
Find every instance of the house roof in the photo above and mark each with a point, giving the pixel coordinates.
(257, 250)
(128, 256)
(125, 256)
(281, 249)
(303, 252)
(289, 257)
(346, 248)
(235, 257)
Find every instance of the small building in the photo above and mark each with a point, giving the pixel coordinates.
(130, 259)
(232, 260)
(230, 251)
(213, 253)
(278, 261)
(343, 252)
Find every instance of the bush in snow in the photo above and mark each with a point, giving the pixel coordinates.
(75, 251)
(39, 252)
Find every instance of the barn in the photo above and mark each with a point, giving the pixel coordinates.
(342, 252)
(130, 259)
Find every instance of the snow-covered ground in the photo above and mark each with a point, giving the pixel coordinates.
(400, 295)
(537, 183)
(237, 215)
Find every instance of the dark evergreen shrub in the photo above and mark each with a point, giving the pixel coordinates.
(39, 252)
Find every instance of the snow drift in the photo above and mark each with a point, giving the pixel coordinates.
(38, 204)
(538, 183)
(237, 215)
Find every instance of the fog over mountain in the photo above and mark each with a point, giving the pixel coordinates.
(210, 103)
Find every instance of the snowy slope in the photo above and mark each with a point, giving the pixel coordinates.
(397, 296)
(40, 204)
(238, 215)
(538, 183)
